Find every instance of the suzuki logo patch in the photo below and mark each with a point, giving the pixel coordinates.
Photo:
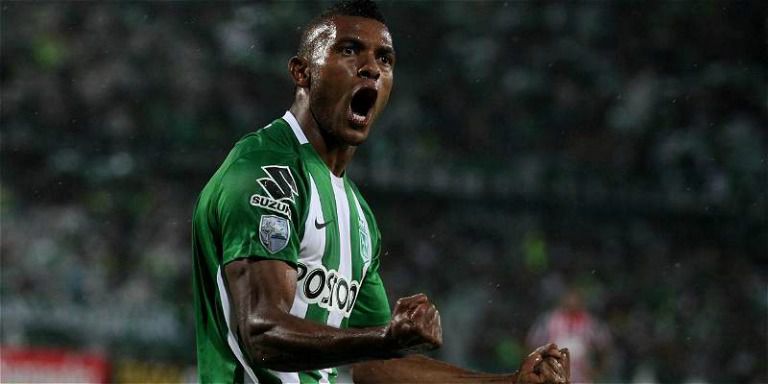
(280, 188)
(279, 184)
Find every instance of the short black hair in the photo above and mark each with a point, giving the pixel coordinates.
(359, 8)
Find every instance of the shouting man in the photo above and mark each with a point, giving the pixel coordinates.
(286, 250)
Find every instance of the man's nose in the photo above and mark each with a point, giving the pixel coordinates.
(368, 68)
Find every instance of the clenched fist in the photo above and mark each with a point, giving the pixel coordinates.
(415, 325)
(546, 364)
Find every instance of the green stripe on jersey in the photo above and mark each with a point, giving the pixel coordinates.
(354, 239)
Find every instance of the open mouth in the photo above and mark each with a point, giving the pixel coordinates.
(361, 106)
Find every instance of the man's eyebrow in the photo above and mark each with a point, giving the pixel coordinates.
(349, 39)
(386, 50)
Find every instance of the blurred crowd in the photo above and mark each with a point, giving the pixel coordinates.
(527, 148)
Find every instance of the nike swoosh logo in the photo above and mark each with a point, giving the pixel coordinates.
(323, 225)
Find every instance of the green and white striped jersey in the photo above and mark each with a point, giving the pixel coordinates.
(274, 198)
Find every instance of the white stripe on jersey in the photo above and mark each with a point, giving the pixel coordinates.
(295, 127)
(231, 340)
(345, 250)
(312, 245)
(286, 377)
(324, 375)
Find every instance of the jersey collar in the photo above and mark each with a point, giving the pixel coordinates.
(295, 127)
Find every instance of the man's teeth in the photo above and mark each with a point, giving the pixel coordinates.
(358, 118)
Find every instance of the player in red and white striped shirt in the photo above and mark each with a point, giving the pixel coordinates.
(586, 337)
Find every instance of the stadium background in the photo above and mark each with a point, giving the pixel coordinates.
(527, 147)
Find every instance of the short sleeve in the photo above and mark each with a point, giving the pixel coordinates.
(371, 307)
(258, 207)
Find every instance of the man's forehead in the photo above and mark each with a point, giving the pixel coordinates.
(355, 25)
(362, 28)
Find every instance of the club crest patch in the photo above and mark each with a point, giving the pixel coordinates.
(274, 232)
(365, 240)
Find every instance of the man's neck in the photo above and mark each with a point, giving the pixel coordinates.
(334, 154)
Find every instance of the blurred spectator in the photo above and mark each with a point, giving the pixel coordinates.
(570, 325)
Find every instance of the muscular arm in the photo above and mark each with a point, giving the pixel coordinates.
(262, 292)
(546, 364)
(420, 369)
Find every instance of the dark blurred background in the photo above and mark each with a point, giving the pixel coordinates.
(529, 148)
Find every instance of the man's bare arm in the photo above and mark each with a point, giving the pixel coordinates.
(420, 369)
(546, 364)
(262, 292)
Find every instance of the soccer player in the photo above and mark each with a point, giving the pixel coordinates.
(286, 250)
(587, 337)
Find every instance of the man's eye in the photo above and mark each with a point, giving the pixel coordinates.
(385, 60)
(348, 51)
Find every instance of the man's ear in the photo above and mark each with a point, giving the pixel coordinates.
(299, 69)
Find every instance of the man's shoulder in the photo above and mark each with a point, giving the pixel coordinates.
(272, 145)
(264, 169)
(271, 151)
(276, 138)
